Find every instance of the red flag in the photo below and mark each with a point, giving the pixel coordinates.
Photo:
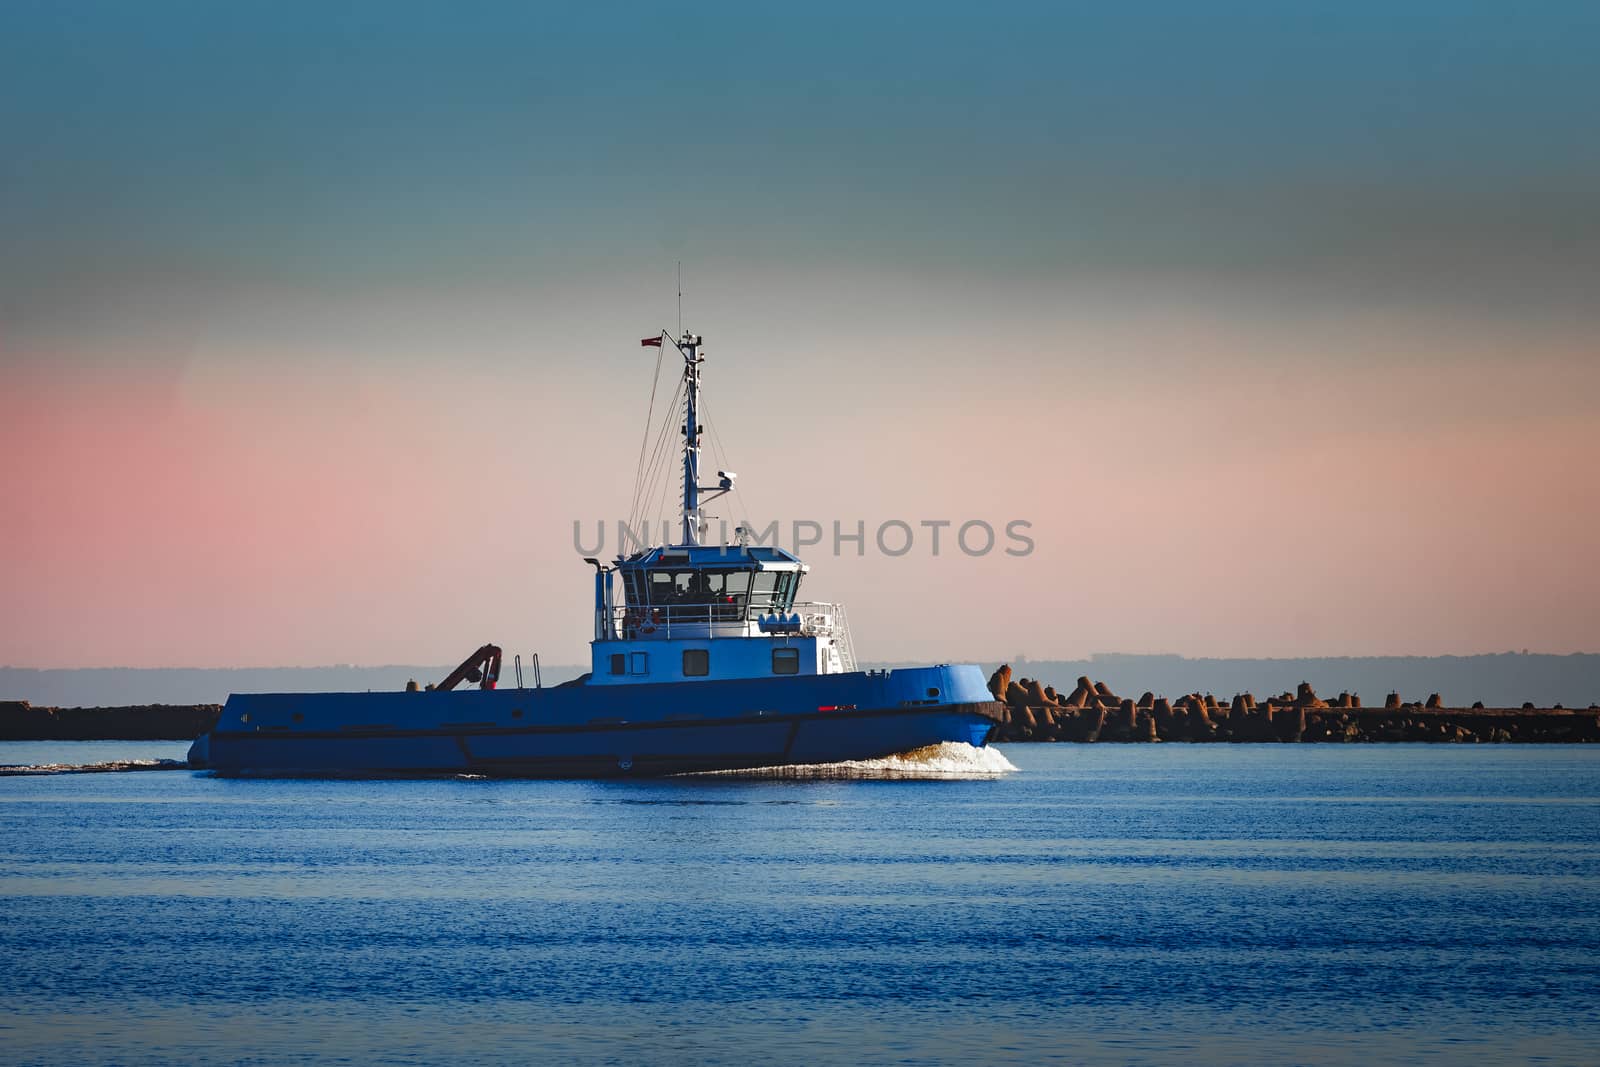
(650, 342)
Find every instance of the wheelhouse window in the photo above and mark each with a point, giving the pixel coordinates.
(772, 591)
(731, 594)
(721, 594)
(696, 662)
(786, 661)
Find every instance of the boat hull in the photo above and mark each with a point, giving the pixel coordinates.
(600, 731)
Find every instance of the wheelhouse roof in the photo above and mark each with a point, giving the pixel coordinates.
(712, 557)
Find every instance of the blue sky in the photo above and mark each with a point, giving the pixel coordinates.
(1447, 147)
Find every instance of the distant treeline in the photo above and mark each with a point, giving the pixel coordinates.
(1503, 680)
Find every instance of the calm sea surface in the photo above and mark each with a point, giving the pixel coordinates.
(1105, 903)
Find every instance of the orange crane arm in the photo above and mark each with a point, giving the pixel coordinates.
(483, 667)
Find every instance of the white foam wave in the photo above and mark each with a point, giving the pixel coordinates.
(948, 759)
(97, 768)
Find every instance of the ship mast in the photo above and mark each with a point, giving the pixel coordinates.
(689, 346)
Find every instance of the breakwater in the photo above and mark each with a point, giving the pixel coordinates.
(22, 721)
(1034, 712)
(1092, 712)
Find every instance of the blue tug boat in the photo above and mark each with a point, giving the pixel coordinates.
(703, 659)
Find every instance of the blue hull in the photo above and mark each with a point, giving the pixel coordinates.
(601, 731)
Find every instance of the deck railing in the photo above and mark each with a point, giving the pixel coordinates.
(828, 620)
(728, 620)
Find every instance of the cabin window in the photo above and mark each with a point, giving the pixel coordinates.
(772, 591)
(619, 663)
(721, 591)
(696, 662)
(638, 663)
(764, 592)
(786, 661)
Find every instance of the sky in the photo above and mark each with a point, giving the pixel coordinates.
(1279, 324)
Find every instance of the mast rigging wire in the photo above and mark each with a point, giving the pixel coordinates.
(656, 467)
(655, 383)
(722, 462)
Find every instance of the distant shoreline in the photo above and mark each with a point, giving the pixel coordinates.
(1124, 721)
(22, 721)
(1499, 679)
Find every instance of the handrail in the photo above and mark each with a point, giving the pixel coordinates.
(716, 612)
(816, 618)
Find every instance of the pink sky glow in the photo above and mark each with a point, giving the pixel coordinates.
(1194, 486)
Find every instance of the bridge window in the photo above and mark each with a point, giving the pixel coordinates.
(772, 591)
(698, 587)
(619, 663)
(696, 662)
(786, 661)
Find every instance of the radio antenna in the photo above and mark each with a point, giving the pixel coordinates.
(680, 298)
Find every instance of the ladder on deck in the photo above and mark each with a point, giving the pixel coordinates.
(842, 640)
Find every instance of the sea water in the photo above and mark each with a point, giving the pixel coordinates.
(1102, 904)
